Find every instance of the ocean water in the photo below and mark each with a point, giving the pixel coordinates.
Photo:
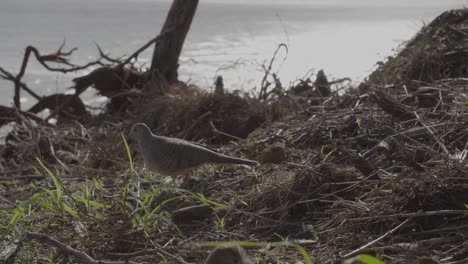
(232, 38)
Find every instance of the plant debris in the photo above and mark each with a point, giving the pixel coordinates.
(379, 170)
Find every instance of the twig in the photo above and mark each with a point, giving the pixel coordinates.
(13, 111)
(59, 57)
(342, 190)
(149, 43)
(133, 254)
(411, 215)
(9, 77)
(82, 256)
(15, 170)
(442, 146)
(215, 130)
(105, 56)
(196, 123)
(61, 107)
(149, 251)
(265, 84)
(438, 230)
(22, 177)
(459, 261)
(376, 240)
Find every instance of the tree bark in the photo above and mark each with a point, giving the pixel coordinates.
(166, 54)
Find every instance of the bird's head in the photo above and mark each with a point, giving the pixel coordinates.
(137, 133)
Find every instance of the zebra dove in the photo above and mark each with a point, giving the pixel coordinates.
(228, 255)
(173, 156)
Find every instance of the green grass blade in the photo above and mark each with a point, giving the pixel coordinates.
(91, 202)
(129, 153)
(365, 259)
(23, 206)
(57, 184)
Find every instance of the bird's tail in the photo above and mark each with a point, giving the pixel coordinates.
(233, 160)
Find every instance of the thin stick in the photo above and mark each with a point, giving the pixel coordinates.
(215, 130)
(149, 251)
(411, 215)
(354, 252)
(149, 43)
(22, 177)
(82, 256)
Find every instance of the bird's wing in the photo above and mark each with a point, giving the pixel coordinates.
(188, 143)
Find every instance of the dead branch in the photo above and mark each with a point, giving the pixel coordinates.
(196, 123)
(354, 252)
(165, 60)
(322, 85)
(82, 256)
(9, 77)
(265, 84)
(144, 47)
(59, 57)
(22, 177)
(64, 105)
(7, 114)
(109, 81)
(149, 251)
(106, 57)
(391, 106)
(410, 215)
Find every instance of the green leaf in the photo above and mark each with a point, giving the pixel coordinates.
(150, 215)
(200, 197)
(58, 185)
(69, 210)
(244, 202)
(365, 259)
(90, 202)
(23, 206)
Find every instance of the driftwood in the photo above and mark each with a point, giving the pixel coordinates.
(265, 90)
(59, 57)
(108, 81)
(219, 86)
(8, 114)
(64, 105)
(322, 85)
(391, 106)
(112, 78)
(166, 54)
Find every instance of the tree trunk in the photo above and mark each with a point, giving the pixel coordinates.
(166, 54)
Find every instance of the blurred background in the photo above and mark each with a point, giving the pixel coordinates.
(231, 38)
